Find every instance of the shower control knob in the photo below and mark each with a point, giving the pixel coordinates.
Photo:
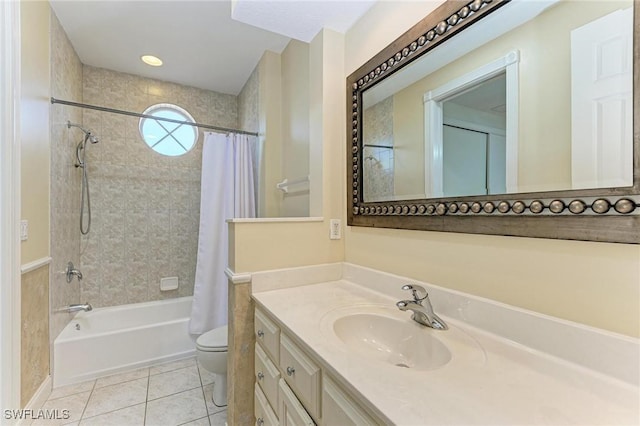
(291, 371)
(259, 421)
(260, 376)
(260, 333)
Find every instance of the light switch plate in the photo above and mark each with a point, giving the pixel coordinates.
(24, 230)
(335, 232)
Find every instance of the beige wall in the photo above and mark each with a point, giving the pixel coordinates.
(263, 246)
(295, 126)
(283, 99)
(270, 245)
(35, 153)
(34, 127)
(270, 129)
(591, 283)
(544, 139)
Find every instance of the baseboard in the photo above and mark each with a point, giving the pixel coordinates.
(38, 399)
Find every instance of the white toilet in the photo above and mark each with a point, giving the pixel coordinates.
(211, 349)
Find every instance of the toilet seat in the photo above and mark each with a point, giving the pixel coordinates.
(213, 340)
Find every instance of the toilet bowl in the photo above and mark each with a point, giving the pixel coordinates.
(211, 351)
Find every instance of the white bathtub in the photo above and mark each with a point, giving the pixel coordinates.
(115, 339)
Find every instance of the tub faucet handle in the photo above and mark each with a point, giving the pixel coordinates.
(71, 271)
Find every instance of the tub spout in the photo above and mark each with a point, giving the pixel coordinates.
(75, 308)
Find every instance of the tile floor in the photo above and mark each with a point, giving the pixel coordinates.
(175, 393)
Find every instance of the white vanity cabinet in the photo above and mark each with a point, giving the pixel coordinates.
(265, 416)
(291, 412)
(291, 387)
(302, 374)
(338, 408)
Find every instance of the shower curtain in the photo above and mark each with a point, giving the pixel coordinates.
(226, 192)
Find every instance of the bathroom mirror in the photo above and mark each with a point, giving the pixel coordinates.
(501, 117)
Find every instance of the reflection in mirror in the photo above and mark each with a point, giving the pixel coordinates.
(536, 97)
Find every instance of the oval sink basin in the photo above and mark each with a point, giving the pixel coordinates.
(393, 341)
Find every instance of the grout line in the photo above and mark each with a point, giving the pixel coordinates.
(146, 399)
(204, 395)
(113, 411)
(118, 383)
(171, 394)
(86, 404)
(169, 371)
(194, 420)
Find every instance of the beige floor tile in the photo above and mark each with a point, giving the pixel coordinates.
(211, 407)
(174, 365)
(218, 419)
(165, 384)
(122, 377)
(200, 422)
(176, 409)
(63, 391)
(68, 409)
(129, 416)
(205, 376)
(115, 397)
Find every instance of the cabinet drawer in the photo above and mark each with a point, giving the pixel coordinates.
(265, 415)
(267, 375)
(339, 409)
(302, 374)
(268, 334)
(290, 411)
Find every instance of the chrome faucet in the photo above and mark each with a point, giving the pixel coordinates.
(71, 271)
(421, 307)
(75, 308)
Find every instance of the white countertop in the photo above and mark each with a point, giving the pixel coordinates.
(493, 381)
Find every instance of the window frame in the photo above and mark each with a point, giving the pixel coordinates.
(185, 116)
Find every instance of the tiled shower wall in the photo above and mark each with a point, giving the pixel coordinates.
(378, 162)
(145, 206)
(66, 83)
(248, 119)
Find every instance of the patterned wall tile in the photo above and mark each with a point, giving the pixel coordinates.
(35, 331)
(147, 204)
(66, 83)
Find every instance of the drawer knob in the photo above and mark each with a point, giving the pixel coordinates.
(260, 333)
(260, 376)
(290, 371)
(259, 421)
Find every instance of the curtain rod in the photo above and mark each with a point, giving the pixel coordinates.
(136, 114)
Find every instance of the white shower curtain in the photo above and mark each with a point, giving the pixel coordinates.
(226, 192)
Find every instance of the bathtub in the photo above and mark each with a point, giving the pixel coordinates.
(119, 338)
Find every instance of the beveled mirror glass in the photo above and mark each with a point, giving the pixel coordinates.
(501, 117)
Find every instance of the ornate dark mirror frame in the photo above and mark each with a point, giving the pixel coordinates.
(608, 215)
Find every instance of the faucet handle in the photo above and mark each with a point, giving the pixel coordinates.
(419, 293)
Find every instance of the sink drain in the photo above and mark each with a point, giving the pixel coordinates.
(402, 365)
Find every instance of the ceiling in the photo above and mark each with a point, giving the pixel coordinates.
(200, 42)
(489, 96)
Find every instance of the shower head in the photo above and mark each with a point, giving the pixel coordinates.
(87, 133)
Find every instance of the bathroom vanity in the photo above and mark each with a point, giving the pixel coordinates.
(293, 380)
(339, 352)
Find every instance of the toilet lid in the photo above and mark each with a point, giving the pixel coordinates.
(213, 340)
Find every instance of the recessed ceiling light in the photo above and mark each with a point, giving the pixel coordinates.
(154, 61)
